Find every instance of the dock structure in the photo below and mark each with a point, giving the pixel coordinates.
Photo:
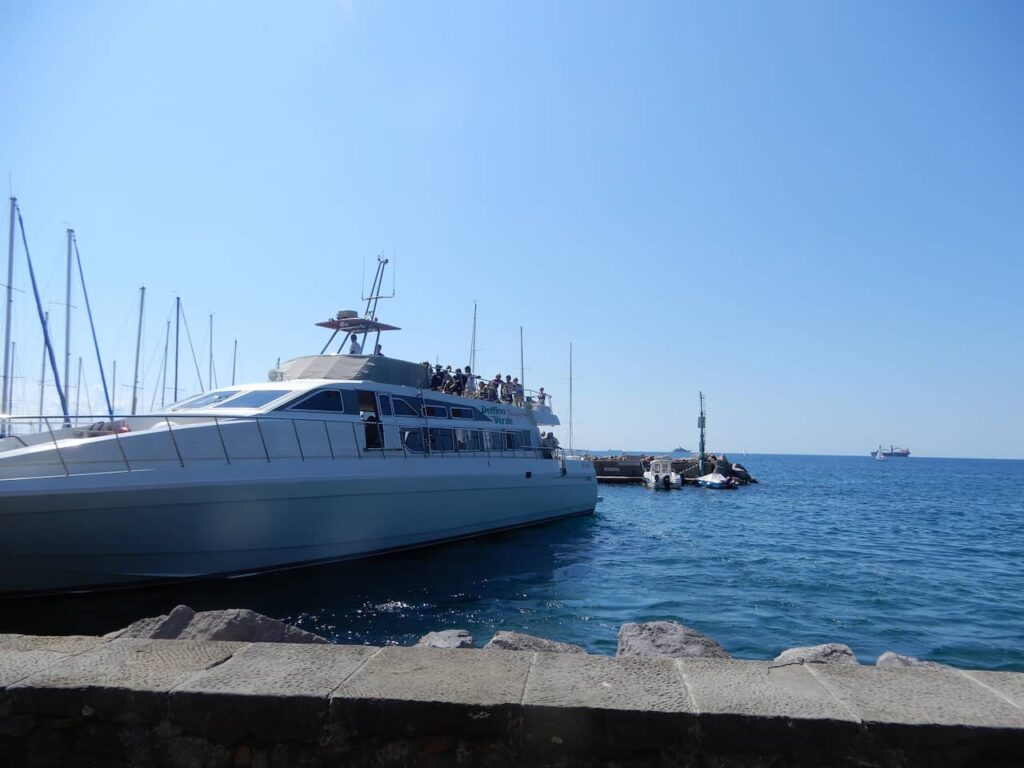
(169, 703)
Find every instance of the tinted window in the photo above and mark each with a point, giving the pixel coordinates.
(512, 441)
(324, 400)
(413, 440)
(468, 440)
(462, 413)
(441, 440)
(527, 438)
(436, 411)
(385, 405)
(204, 401)
(256, 399)
(495, 441)
(403, 408)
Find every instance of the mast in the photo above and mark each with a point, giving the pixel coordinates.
(570, 396)
(138, 348)
(701, 421)
(177, 331)
(67, 318)
(163, 383)
(78, 387)
(234, 362)
(472, 343)
(92, 327)
(522, 370)
(113, 386)
(42, 378)
(209, 375)
(7, 390)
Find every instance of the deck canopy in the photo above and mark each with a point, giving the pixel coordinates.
(384, 370)
(357, 325)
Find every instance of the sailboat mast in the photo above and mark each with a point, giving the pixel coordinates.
(570, 397)
(234, 363)
(7, 390)
(78, 387)
(42, 376)
(701, 420)
(113, 388)
(67, 317)
(209, 375)
(522, 369)
(163, 382)
(177, 332)
(138, 348)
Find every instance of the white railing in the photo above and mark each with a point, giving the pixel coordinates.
(130, 443)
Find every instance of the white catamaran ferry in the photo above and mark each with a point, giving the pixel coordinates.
(337, 457)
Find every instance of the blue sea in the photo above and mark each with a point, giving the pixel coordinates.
(919, 556)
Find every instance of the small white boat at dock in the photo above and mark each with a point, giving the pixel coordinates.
(660, 475)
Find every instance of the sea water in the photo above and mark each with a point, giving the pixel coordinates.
(918, 556)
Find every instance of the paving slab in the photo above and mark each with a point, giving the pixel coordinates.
(24, 655)
(269, 690)
(118, 679)
(919, 697)
(418, 693)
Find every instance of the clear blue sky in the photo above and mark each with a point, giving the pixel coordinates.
(812, 211)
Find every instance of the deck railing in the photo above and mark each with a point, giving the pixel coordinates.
(100, 443)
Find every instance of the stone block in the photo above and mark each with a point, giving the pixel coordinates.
(266, 691)
(576, 704)
(827, 653)
(426, 694)
(666, 638)
(446, 638)
(24, 655)
(919, 697)
(1006, 684)
(119, 679)
(750, 708)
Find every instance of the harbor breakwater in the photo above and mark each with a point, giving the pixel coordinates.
(672, 697)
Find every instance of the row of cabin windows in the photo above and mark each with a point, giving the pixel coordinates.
(440, 440)
(330, 400)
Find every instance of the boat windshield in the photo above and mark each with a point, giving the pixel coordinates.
(255, 399)
(205, 400)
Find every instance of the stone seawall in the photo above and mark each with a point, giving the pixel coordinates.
(68, 701)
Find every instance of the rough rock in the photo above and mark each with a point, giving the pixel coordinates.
(165, 627)
(447, 638)
(517, 641)
(829, 653)
(666, 638)
(892, 659)
(238, 624)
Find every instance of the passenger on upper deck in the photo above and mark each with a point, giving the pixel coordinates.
(517, 392)
(437, 380)
(355, 348)
(470, 388)
(541, 397)
(378, 351)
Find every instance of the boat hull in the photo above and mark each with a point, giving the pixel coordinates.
(102, 531)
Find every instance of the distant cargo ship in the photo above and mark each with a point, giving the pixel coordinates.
(893, 452)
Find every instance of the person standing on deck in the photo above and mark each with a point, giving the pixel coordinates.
(355, 348)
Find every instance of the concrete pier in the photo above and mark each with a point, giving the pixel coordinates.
(83, 701)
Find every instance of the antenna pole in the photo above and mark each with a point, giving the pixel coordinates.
(67, 319)
(177, 331)
(7, 391)
(234, 363)
(138, 348)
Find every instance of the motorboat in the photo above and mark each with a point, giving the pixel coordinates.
(717, 481)
(336, 457)
(660, 475)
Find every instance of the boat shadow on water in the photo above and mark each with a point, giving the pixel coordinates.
(384, 598)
